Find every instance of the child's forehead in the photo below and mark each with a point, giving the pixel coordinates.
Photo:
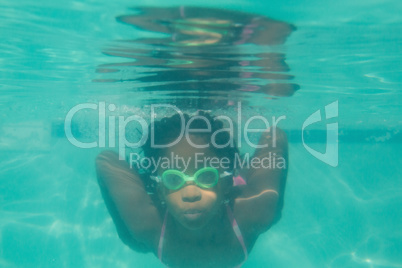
(189, 156)
(187, 159)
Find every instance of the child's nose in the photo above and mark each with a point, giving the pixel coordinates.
(190, 193)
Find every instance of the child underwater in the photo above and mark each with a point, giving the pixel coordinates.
(206, 214)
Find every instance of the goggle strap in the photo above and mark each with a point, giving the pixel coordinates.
(225, 174)
(156, 178)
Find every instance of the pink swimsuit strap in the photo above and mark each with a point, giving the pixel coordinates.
(161, 238)
(238, 234)
(235, 228)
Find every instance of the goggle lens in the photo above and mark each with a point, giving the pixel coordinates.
(205, 178)
(172, 180)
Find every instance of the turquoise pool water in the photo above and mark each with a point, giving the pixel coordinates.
(347, 215)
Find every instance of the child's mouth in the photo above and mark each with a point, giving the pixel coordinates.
(192, 214)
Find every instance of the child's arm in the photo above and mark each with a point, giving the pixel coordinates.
(136, 218)
(260, 202)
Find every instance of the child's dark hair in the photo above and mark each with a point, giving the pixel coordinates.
(168, 130)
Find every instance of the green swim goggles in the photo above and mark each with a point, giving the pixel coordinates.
(205, 178)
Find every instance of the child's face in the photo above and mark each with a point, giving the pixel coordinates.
(191, 205)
